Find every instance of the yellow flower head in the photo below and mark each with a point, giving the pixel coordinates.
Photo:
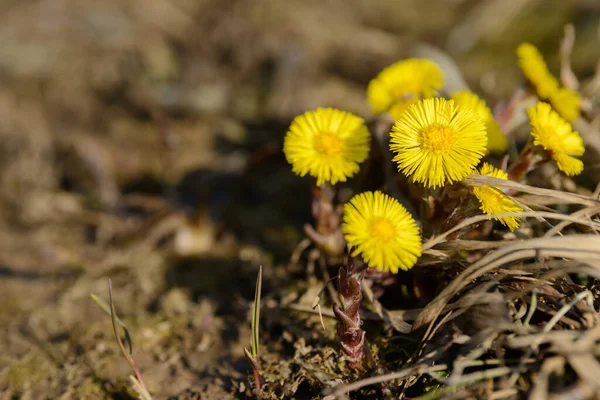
(382, 231)
(437, 142)
(497, 141)
(493, 201)
(402, 84)
(534, 68)
(555, 135)
(566, 102)
(328, 144)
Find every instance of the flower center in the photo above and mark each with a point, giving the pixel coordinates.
(383, 229)
(329, 145)
(438, 137)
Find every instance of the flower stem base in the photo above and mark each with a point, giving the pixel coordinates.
(352, 337)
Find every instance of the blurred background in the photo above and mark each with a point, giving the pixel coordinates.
(141, 140)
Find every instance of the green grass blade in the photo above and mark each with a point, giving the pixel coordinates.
(256, 314)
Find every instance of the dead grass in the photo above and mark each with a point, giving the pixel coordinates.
(141, 142)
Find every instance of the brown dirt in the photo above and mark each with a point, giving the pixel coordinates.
(141, 141)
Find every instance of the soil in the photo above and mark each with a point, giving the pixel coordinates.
(140, 141)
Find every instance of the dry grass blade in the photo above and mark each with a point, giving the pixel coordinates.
(584, 213)
(459, 244)
(567, 198)
(541, 202)
(526, 341)
(405, 373)
(579, 247)
(469, 300)
(479, 218)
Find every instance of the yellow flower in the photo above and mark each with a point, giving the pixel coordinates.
(497, 141)
(328, 144)
(437, 142)
(535, 70)
(402, 84)
(555, 135)
(493, 201)
(381, 230)
(566, 102)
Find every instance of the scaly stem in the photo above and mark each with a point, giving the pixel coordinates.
(352, 337)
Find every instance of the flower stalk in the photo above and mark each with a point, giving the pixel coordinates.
(327, 235)
(351, 336)
(522, 165)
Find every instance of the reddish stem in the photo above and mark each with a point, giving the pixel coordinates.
(256, 379)
(352, 337)
(326, 234)
(507, 113)
(522, 165)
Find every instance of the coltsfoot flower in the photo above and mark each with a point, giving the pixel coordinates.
(555, 135)
(534, 68)
(565, 101)
(497, 141)
(381, 231)
(402, 84)
(436, 142)
(493, 201)
(328, 144)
